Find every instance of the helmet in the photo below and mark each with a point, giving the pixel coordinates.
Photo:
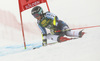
(37, 11)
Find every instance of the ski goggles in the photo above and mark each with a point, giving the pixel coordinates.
(36, 15)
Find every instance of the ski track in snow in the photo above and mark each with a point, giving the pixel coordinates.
(85, 48)
(12, 49)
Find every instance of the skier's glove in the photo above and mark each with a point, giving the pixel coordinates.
(44, 42)
(65, 29)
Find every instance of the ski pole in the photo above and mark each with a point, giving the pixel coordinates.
(63, 30)
(77, 28)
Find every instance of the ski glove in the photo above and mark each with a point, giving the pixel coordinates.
(44, 42)
(44, 39)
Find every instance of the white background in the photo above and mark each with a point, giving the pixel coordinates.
(73, 12)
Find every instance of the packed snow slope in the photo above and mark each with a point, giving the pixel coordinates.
(83, 49)
(76, 13)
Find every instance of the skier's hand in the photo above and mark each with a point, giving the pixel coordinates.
(65, 28)
(44, 42)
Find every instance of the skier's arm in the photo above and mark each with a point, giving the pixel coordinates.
(53, 17)
(42, 29)
(44, 35)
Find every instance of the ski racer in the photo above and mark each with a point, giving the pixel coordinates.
(51, 21)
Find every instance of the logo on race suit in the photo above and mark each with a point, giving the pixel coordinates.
(43, 22)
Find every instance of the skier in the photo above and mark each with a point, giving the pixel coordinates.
(50, 21)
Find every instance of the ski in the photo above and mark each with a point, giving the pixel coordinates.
(36, 47)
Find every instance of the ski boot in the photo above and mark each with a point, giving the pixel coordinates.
(81, 34)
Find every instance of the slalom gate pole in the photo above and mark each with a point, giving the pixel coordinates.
(47, 6)
(22, 31)
(22, 26)
(78, 28)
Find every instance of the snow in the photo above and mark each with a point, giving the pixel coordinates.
(76, 13)
(83, 49)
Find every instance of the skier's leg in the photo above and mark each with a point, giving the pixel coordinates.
(75, 33)
(52, 37)
(58, 38)
(62, 25)
(61, 38)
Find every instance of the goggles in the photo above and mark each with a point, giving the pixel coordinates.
(36, 15)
